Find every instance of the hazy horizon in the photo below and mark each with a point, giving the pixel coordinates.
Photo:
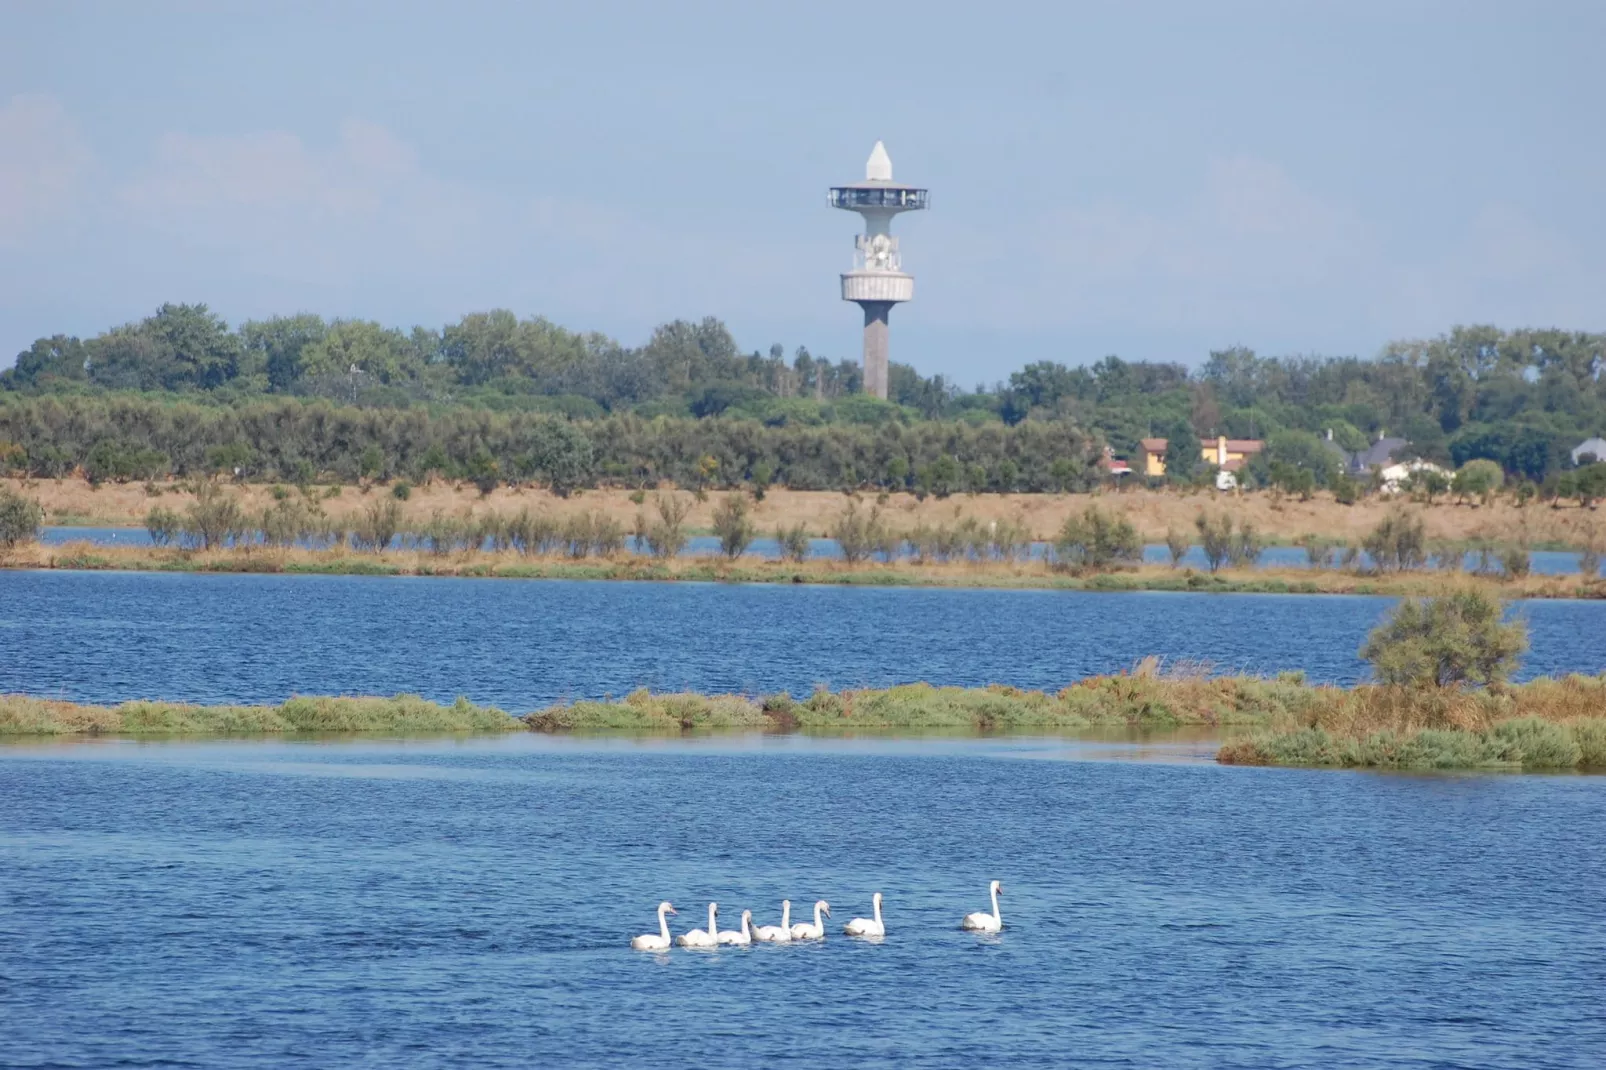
(1152, 182)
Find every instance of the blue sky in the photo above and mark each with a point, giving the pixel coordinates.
(1148, 179)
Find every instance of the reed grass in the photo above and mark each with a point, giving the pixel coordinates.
(612, 563)
(22, 715)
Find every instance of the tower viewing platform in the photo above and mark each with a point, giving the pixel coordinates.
(877, 281)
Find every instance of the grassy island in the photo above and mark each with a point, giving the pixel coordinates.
(1543, 724)
(22, 715)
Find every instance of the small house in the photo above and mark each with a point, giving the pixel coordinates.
(1227, 454)
(1589, 448)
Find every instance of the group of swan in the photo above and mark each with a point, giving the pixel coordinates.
(785, 932)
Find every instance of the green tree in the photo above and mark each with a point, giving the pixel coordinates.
(1449, 641)
(1477, 479)
(1184, 457)
(560, 454)
(273, 348)
(20, 518)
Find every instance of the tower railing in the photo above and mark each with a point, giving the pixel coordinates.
(854, 197)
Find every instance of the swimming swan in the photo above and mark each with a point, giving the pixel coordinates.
(777, 934)
(804, 931)
(866, 927)
(701, 937)
(983, 922)
(741, 937)
(658, 941)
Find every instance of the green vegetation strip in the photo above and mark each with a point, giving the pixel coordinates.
(1544, 724)
(21, 715)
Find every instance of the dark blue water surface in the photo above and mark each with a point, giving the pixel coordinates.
(470, 905)
(106, 637)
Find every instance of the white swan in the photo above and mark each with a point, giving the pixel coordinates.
(741, 937)
(866, 926)
(777, 934)
(804, 931)
(658, 941)
(702, 937)
(983, 922)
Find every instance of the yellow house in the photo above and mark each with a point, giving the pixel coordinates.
(1227, 454)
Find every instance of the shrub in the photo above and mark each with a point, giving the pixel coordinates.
(284, 522)
(1320, 551)
(1097, 541)
(1515, 561)
(1345, 490)
(856, 532)
(1010, 540)
(441, 533)
(607, 535)
(1537, 744)
(1591, 548)
(1224, 546)
(1590, 734)
(20, 518)
(666, 536)
(794, 542)
(578, 533)
(533, 532)
(1398, 542)
(733, 525)
(214, 517)
(1447, 641)
(1176, 546)
(402, 490)
(163, 525)
(377, 526)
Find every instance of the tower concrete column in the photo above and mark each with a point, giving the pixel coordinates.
(875, 347)
(877, 281)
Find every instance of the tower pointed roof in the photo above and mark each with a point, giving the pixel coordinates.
(878, 168)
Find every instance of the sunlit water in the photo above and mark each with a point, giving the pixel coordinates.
(470, 905)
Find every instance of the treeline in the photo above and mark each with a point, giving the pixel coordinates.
(1521, 398)
(486, 359)
(122, 438)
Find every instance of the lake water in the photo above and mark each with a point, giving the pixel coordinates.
(1543, 562)
(522, 644)
(440, 904)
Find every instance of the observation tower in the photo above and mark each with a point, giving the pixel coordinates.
(877, 281)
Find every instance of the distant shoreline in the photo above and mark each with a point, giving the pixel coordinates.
(85, 556)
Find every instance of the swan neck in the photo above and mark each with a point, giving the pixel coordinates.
(996, 916)
(663, 923)
(877, 906)
(786, 916)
